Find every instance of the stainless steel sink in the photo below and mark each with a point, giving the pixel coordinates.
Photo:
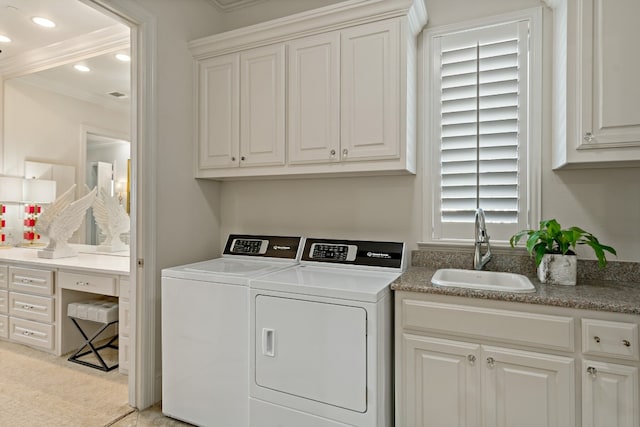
(483, 280)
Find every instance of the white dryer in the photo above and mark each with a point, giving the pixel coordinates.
(205, 329)
(321, 353)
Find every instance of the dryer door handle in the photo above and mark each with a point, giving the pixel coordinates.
(268, 342)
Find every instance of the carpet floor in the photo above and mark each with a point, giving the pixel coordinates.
(41, 389)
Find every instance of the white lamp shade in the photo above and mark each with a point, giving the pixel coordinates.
(10, 189)
(39, 191)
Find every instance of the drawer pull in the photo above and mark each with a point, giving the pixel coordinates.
(626, 343)
(27, 280)
(27, 333)
(472, 359)
(79, 283)
(596, 338)
(491, 362)
(592, 371)
(27, 307)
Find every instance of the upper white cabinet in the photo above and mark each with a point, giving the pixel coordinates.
(596, 117)
(347, 74)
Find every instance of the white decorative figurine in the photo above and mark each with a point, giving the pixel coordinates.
(60, 220)
(112, 220)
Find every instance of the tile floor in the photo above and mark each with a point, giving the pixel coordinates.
(147, 418)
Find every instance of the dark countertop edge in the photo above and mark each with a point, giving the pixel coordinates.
(418, 279)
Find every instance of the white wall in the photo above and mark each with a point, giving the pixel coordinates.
(605, 202)
(44, 126)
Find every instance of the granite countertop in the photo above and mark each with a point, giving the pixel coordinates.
(616, 291)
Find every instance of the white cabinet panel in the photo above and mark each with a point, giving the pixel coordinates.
(527, 389)
(4, 326)
(4, 276)
(4, 302)
(36, 334)
(31, 307)
(219, 112)
(262, 102)
(292, 339)
(596, 91)
(314, 99)
(609, 395)
(31, 280)
(442, 382)
(370, 61)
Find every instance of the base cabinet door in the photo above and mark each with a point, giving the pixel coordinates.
(609, 395)
(442, 382)
(527, 389)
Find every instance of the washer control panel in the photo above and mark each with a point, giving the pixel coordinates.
(249, 246)
(263, 246)
(333, 252)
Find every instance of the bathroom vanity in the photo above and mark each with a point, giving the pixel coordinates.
(35, 292)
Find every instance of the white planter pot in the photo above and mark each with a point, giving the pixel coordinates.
(558, 269)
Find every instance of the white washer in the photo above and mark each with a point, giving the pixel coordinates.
(321, 353)
(205, 329)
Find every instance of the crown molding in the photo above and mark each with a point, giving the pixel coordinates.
(85, 46)
(229, 5)
(315, 21)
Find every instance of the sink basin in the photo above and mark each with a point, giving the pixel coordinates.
(483, 280)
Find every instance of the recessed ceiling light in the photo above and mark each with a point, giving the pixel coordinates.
(43, 22)
(123, 57)
(82, 68)
(4, 39)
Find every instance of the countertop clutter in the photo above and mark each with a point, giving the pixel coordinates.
(615, 289)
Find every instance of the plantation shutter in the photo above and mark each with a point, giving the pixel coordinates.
(481, 117)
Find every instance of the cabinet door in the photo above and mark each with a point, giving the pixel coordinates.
(527, 389)
(609, 395)
(441, 382)
(314, 99)
(219, 98)
(371, 80)
(611, 66)
(262, 106)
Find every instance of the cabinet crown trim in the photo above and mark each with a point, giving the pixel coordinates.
(321, 20)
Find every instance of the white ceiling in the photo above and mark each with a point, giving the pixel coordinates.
(75, 22)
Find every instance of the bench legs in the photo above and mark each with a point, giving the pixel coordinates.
(93, 349)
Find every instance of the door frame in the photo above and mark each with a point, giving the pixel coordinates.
(144, 375)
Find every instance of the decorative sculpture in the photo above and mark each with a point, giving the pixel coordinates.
(60, 220)
(112, 221)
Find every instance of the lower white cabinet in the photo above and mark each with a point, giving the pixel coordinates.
(124, 326)
(609, 395)
(454, 383)
(469, 362)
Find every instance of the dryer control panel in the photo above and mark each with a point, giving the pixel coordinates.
(354, 252)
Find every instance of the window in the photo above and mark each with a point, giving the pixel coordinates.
(482, 126)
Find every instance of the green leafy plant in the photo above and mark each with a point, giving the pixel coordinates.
(552, 239)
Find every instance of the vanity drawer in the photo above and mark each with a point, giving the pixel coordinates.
(4, 276)
(4, 326)
(105, 285)
(613, 339)
(530, 329)
(31, 307)
(4, 302)
(31, 280)
(36, 334)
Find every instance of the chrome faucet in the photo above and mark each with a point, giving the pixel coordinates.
(481, 237)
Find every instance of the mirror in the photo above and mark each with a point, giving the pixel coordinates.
(59, 116)
(106, 167)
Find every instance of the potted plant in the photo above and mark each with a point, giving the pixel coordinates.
(554, 247)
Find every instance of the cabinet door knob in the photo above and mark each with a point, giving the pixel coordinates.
(242, 158)
(588, 137)
(233, 159)
(332, 153)
(345, 152)
(592, 371)
(626, 343)
(491, 362)
(472, 359)
(596, 338)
